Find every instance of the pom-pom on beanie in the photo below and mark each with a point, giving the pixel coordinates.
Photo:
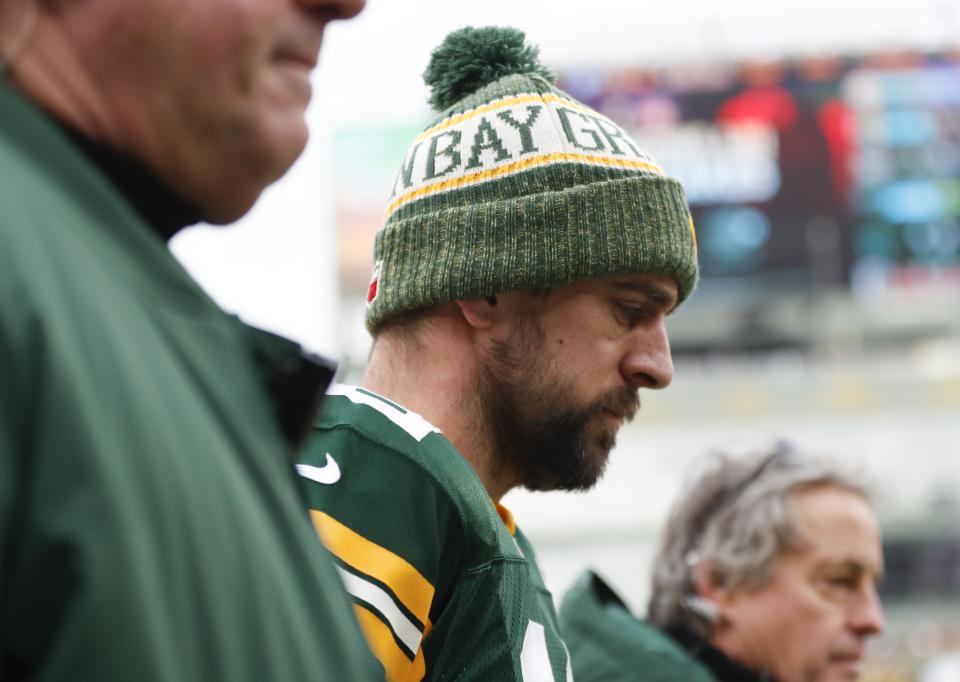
(516, 185)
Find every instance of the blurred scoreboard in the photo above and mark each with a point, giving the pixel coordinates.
(832, 172)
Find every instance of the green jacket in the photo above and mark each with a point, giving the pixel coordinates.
(150, 527)
(608, 644)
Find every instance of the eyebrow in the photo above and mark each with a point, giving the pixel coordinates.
(658, 293)
(857, 567)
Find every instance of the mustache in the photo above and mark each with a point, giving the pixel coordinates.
(624, 402)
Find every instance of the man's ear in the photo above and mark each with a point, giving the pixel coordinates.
(710, 598)
(479, 313)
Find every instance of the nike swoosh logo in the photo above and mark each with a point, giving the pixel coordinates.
(328, 474)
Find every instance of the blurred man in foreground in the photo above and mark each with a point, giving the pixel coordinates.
(530, 255)
(767, 572)
(149, 525)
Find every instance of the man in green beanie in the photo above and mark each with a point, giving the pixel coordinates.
(529, 257)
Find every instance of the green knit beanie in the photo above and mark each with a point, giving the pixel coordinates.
(516, 185)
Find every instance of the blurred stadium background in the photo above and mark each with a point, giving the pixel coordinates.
(819, 142)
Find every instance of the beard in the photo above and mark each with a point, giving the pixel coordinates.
(539, 430)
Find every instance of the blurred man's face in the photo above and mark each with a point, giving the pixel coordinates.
(210, 93)
(561, 386)
(811, 622)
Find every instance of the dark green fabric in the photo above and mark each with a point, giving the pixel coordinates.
(404, 487)
(149, 524)
(608, 644)
(470, 58)
(612, 227)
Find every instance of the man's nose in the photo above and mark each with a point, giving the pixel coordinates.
(866, 616)
(647, 362)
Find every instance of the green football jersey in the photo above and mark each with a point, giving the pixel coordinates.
(444, 585)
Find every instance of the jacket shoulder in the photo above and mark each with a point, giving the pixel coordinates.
(609, 643)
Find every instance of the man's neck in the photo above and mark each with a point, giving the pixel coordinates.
(50, 73)
(717, 659)
(437, 378)
(156, 203)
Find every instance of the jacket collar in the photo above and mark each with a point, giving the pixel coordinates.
(47, 137)
(294, 379)
(724, 668)
(158, 205)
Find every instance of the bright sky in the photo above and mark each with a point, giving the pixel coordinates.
(275, 267)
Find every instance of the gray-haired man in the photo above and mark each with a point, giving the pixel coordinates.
(767, 572)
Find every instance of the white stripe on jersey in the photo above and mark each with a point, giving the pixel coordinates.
(411, 422)
(404, 628)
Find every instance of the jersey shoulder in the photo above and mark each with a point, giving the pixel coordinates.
(374, 415)
(403, 513)
(396, 449)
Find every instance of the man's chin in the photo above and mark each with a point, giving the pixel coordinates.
(592, 471)
(602, 437)
(846, 670)
(588, 472)
(228, 209)
(599, 460)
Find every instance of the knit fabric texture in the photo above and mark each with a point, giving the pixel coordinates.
(518, 186)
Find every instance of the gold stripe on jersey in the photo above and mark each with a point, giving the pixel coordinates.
(396, 663)
(507, 517)
(384, 604)
(407, 583)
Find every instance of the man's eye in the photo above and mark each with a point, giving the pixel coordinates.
(842, 582)
(631, 314)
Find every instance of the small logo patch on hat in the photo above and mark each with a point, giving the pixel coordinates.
(374, 287)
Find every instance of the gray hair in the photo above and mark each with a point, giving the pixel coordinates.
(735, 518)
